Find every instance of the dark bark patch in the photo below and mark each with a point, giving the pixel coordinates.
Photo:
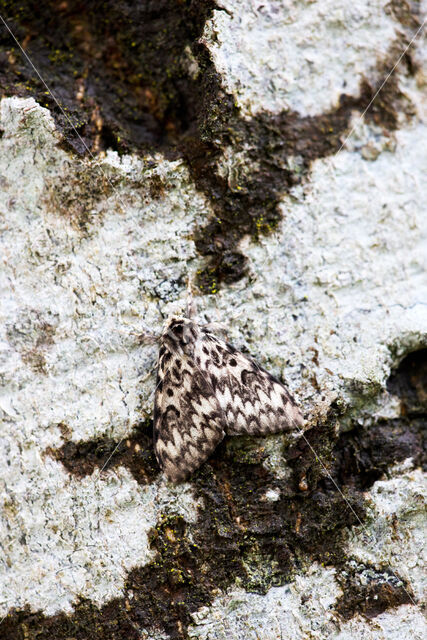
(135, 77)
(370, 592)
(364, 455)
(409, 382)
(123, 72)
(84, 624)
(134, 452)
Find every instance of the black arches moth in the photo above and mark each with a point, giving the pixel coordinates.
(207, 389)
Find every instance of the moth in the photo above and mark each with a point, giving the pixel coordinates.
(207, 389)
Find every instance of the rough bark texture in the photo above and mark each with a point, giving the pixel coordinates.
(227, 143)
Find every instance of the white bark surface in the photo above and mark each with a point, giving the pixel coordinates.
(298, 55)
(344, 274)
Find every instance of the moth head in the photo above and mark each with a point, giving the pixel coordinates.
(179, 333)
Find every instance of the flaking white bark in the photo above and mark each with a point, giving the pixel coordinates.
(344, 275)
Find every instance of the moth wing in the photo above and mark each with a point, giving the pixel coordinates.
(188, 421)
(252, 400)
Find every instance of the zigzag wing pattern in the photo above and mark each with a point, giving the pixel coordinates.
(253, 401)
(187, 417)
(206, 389)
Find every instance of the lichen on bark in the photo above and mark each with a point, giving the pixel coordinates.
(312, 254)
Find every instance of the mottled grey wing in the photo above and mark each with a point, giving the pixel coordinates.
(251, 399)
(187, 417)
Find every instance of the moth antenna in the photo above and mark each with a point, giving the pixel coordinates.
(191, 309)
(159, 309)
(148, 338)
(149, 373)
(218, 327)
